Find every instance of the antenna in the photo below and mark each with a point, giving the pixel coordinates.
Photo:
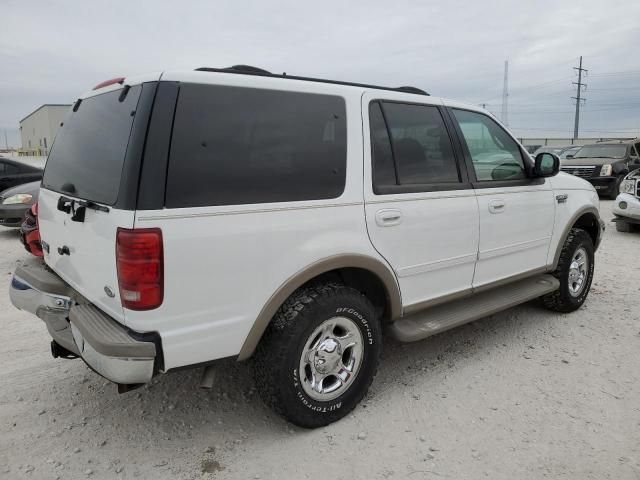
(505, 94)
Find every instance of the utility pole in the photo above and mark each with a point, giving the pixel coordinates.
(578, 98)
(505, 94)
(6, 142)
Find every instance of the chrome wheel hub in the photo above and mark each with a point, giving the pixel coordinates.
(578, 272)
(331, 359)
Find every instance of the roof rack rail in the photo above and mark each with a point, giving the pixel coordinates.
(246, 69)
(250, 70)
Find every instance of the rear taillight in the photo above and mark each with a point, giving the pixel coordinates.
(140, 269)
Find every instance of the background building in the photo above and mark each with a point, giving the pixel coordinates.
(39, 128)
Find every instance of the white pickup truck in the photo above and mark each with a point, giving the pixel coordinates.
(192, 216)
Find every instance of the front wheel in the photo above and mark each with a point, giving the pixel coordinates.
(319, 355)
(574, 271)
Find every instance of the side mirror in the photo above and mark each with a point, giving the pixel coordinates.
(546, 165)
(569, 155)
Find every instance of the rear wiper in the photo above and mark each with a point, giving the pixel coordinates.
(78, 207)
(93, 205)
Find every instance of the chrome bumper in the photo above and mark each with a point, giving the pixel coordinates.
(100, 341)
(631, 204)
(51, 308)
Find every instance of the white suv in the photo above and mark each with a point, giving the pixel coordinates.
(192, 216)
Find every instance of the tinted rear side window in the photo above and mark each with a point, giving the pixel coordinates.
(421, 144)
(234, 145)
(90, 148)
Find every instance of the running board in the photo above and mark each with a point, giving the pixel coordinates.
(442, 317)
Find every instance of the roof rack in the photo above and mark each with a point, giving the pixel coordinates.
(250, 70)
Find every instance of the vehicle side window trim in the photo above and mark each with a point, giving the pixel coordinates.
(480, 184)
(393, 151)
(461, 167)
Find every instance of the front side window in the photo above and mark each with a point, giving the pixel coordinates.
(235, 145)
(11, 169)
(637, 150)
(495, 155)
(410, 146)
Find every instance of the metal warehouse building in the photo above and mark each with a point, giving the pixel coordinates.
(39, 128)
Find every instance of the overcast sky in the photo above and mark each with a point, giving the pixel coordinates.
(51, 51)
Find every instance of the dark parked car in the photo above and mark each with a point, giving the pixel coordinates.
(604, 164)
(14, 173)
(557, 150)
(16, 201)
(561, 151)
(531, 148)
(569, 152)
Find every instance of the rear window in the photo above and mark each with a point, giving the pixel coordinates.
(234, 145)
(89, 150)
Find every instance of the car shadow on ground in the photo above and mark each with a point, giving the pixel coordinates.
(9, 233)
(176, 405)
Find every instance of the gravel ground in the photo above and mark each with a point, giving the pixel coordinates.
(523, 394)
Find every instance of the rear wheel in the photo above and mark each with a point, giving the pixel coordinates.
(574, 271)
(319, 355)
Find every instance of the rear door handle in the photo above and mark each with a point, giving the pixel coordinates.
(388, 217)
(497, 206)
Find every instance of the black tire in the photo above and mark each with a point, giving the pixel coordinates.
(625, 227)
(277, 358)
(562, 300)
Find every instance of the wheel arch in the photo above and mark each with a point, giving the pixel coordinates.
(587, 219)
(367, 274)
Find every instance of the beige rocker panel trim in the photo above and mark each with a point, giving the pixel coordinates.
(374, 266)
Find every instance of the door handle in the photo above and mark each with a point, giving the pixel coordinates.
(388, 217)
(497, 206)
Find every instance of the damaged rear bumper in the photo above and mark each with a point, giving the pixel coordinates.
(105, 345)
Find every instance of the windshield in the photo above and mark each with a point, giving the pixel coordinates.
(555, 150)
(569, 151)
(602, 151)
(89, 150)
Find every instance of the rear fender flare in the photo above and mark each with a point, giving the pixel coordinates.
(375, 266)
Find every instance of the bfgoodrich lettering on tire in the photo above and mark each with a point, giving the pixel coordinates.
(319, 355)
(575, 272)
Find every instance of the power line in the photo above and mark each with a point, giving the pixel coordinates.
(525, 90)
(615, 74)
(579, 86)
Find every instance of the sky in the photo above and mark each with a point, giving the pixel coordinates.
(51, 52)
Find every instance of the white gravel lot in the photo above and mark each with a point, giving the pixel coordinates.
(524, 394)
